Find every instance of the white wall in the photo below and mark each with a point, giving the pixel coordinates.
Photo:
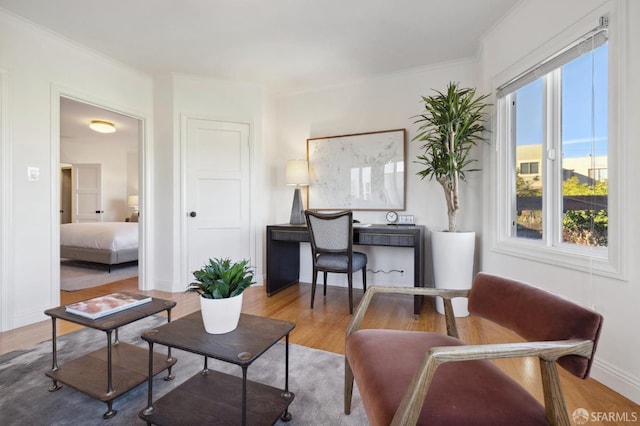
(192, 96)
(529, 27)
(36, 66)
(119, 172)
(384, 103)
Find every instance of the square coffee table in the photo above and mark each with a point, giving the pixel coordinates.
(125, 364)
(212, 397)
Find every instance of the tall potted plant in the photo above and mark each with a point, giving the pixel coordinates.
(221, 284)
(451, 125)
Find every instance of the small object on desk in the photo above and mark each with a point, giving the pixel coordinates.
(405, 219)
(361, 225)
(392, 218)
(101, 306)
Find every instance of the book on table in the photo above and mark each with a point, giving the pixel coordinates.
(106, 305)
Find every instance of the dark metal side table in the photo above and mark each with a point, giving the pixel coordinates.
(125, 364)
(212, 397)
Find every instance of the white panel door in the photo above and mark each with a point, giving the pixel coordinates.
(217, 191)
(86, 180)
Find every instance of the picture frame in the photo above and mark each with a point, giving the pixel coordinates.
(361, 171)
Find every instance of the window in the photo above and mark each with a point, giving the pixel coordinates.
(529, 168)
(553, 129)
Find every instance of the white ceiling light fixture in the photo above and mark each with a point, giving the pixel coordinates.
(102, 126)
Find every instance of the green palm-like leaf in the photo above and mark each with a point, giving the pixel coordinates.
(450, 126)
(220, 279)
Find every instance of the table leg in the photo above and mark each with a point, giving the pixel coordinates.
(150, 409)
(110, 411)
(205, 370)
(244, 395)
(170, 375)
(286, 416)
(54, 367)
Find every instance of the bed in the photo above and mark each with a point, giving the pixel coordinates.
(107, 243)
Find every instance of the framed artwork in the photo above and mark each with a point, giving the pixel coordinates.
(363, 171)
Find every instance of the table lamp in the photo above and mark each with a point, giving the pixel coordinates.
(132, 201)
(297, 174)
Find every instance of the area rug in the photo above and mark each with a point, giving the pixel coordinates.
(316, 377)
(76, 276)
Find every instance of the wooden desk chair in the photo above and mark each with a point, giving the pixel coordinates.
(332, 249)
(408, 378)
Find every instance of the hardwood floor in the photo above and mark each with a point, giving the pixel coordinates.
(323, 328)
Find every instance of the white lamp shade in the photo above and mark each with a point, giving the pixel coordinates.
(297, 172)
(132, 201)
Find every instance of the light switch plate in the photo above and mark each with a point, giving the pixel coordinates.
(33, 174)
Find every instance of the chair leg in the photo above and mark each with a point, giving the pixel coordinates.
(350, 280)
(325, 282)
(348, 386)
(364, 279)
(313, 286)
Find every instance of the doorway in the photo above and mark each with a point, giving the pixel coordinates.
(98, 170)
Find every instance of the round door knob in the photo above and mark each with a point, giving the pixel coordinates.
(193, 214)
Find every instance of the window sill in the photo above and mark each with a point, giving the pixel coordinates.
(590, 260)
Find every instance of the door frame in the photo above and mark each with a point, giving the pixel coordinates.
(6, 225)
(145, 262)
(184, 261)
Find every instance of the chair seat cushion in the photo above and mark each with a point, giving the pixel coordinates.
(338, 262)
(462, 393)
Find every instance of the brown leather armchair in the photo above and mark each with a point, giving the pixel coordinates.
(409, 377)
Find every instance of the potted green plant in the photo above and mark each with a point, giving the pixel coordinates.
(451, 125)
(221, 284)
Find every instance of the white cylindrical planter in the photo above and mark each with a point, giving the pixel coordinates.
(453, 255)
(221, 315)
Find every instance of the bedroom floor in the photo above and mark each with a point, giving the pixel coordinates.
(76, 275)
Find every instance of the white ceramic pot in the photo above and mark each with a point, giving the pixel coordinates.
(221, 315)
(453, 255)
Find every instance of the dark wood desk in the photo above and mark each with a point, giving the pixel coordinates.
(283, 260)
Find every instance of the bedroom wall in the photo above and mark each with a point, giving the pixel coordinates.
(383, 103)
(36, 65)
(528, 28)
(119, 172)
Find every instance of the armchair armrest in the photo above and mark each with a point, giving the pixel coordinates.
(548, 352)
(447, 295)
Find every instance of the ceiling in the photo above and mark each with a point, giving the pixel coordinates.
(285, 45)
(74, 125)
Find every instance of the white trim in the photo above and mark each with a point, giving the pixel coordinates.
(622, 382)
(578, 258)
(6, 223)
(145, 263)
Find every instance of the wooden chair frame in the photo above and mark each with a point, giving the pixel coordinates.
(547, 352)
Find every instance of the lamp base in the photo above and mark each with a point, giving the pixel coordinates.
(297, 212)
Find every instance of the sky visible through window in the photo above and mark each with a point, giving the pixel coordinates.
(581, 135)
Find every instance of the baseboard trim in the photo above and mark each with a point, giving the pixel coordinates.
(619, 381)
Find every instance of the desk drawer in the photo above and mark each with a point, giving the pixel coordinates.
(286, 235)
(399, 240)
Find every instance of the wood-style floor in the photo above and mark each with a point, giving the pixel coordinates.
(323, 328)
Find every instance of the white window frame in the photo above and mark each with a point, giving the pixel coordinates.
(607, 261)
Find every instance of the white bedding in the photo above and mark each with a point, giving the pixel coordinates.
(100, 235)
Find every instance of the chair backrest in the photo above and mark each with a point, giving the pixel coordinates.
(330, 232)
(536, 315)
